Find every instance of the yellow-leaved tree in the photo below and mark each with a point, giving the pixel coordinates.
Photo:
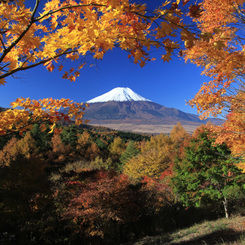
(158, 155)
(219, 50)
(15, 149)
(154, 159)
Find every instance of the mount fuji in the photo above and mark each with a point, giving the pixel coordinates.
(118, 94)
(123, 109)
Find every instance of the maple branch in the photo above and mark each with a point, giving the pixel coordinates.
(3, 43)
(69, 7)
(2, 67)
(22, 68)
(37, 121)
(239, 12)
(154, 19)
(7, 50)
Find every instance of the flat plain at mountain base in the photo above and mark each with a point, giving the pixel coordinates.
(148, 129)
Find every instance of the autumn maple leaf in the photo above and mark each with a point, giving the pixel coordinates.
(195, 11)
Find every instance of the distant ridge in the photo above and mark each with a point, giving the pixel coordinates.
(123, 109)
(118, 94)
(139, 112)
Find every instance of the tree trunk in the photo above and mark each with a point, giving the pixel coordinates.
(225, 202)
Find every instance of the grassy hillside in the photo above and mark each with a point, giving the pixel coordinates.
(222, 231)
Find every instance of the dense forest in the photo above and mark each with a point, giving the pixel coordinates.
(85, 185)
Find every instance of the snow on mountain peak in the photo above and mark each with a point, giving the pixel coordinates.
(118, 94)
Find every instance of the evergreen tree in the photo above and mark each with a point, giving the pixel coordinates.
(131, 151)
(69, 135)
(42, 138)
(207, 173)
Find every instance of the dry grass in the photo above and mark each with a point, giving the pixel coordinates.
(149, 129)
(219, 232)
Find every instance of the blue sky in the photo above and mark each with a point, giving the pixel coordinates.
(169, 84)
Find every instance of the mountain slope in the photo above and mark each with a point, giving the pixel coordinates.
(140, 112)
(123, 109)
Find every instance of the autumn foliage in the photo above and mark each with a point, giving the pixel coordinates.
(45, 111)
(87, 210)
(42, 34)
(95, 200)
(157, 155)
(15, 149)
(106, 188)
(100, 191)
(219, 50)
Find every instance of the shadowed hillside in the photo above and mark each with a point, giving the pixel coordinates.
(138, 111)
(221, 231)
(141, 116)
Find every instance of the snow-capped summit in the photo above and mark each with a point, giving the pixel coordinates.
(118, 94)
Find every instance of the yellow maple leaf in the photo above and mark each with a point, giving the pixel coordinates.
(52, 128)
